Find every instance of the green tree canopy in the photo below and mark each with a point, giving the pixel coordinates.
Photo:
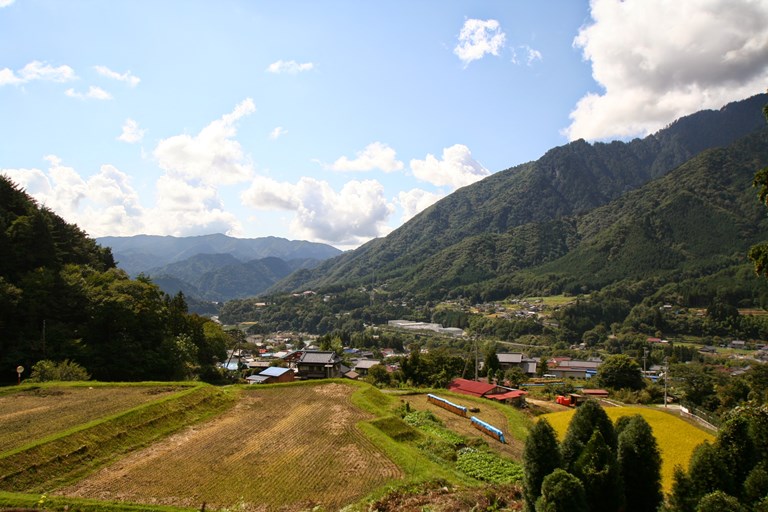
(541, 457)
(561, 492)
(640, 462)
(620, 372)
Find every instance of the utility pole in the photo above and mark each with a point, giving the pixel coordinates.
(666, 377)
(476, 363)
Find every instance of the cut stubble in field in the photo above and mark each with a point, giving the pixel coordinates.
(288, 448)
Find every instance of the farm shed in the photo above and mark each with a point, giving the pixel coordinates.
(474, 388)
(364, 365)
(514, 397)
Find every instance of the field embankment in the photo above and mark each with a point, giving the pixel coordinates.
(41, 461)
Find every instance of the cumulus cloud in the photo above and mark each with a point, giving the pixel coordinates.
(93, 93)
(103, 204)
(456, 169)
(415, 201)
(126, 77)
(37, 70)
(478, 38)
(289, 66)
(212, 156)
(348, 217)
(131, 132)
(279, 131)
(658, 60)
(375, 156)
(107, 204)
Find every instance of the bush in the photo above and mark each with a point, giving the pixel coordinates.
(46, 371)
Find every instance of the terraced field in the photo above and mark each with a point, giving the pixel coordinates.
(288, 448)
(33, 413)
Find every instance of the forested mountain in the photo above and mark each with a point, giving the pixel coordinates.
(537, 212)
(62, 297)
(221, 277)
(142, 253)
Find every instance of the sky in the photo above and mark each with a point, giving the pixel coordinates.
(336, 121)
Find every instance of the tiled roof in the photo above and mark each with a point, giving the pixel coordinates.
(510, 358)
(319, 357)
(470, 387)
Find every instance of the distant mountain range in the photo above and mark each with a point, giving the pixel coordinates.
(579, 218)
(215, 267)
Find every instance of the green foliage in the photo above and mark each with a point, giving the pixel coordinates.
(599, 472)
(488, 466)
(46, 371)
(620, 372)
(587, 418)
(541, 457)
(640, 462)
(562, 492)
(718, 501)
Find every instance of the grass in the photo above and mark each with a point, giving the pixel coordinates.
(675, 437)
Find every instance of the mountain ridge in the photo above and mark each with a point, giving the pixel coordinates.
(565, 182)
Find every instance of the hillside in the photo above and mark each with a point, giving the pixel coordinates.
(221, 277)
(142, 253)
(531, 214)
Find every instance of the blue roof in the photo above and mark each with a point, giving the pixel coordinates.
(274, 371)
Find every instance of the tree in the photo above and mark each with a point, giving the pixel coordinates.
(515, 376)
(640, 464)
(587, 418)
(758, 253)
(598, 471)
(619, 372)
(707, 470)
(491, 360)
(541, 457)
(561, 492)
(718, 501)
(379, 375)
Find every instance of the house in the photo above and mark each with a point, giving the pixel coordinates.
(486, 390)
(508, 361)
(563, 368)
(738, 344)
(517, 360)
(364, 365)
(318, 365)
(272, 375)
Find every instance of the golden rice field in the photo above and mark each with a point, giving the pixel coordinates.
(36, 412)
(287, 448)
(675, 437)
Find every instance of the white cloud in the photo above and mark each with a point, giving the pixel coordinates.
(126, 77)
(37, 70)
(279, 131)
(104, 204)
(349, 217)
(478, 38)
(94, 93)
(530, 55)
(658, 60)
(456, 169)
(375, 156)
(290, 66)
(415, 201)
(131, 132)
(6, 3)
(212, 156)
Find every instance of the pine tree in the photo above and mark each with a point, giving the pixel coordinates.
(640, 465)
(541, 457)
(588, 417)
(598, 470)
(561, 492)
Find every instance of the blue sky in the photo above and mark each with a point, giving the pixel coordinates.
(337, 121)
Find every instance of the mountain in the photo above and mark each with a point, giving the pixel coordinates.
(140, 253)
(221, 277)
(531, 214)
